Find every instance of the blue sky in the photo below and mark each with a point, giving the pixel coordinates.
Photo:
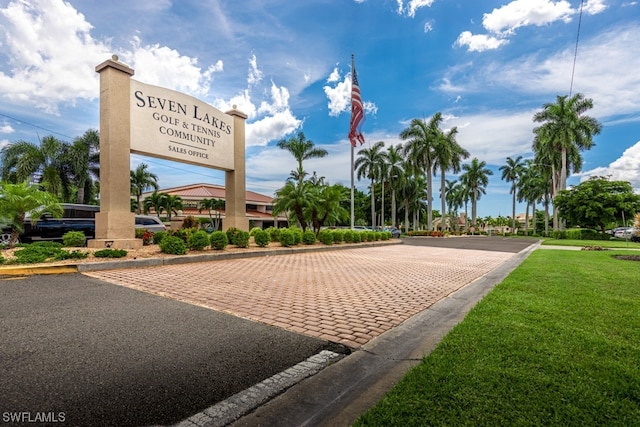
(488, 66)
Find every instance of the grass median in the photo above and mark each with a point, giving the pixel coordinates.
(556, 343)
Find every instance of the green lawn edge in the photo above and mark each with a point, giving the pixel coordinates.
(556, 343)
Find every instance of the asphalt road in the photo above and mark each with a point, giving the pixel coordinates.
(111, 356)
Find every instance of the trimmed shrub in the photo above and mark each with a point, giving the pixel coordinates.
(326, 237)
(254, 230)
(242, 239)
(182, 234)
(308, 237)
(348, 236)
(297, 235)
(74, 238)
(559, 234)
(158, 236)
(357, 236)
(386, 235)
(173, 245)
(286, 237)
(138, 233)
(219, 240)
(261, 238)
(338, 236)
(377, 235)
(231, 235)
(74, 254)
(190, 222)
(198, 240)
(110, 253)
(273, 233)
(45, 251)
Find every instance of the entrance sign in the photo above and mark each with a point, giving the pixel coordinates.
(158, 122)
(175, 126)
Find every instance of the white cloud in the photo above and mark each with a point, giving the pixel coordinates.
(625, 168)
(334, 76)
(255, 75)
(166, 67)
(521, 13)
(6, 128)
(428, 26)
(45, 72)
(593, 7)
(479, 42)
(340, 96)
(412, 6)
(271, 128)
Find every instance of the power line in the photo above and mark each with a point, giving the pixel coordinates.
(35, 126)
(575, 54)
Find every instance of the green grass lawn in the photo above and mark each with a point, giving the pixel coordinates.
(556, 343)
(614, 243)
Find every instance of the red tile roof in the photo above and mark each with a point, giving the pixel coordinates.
(208, 191)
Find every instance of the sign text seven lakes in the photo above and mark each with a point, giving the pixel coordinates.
(220, 127)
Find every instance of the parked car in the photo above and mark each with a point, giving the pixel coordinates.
(395, 233)
(150, 223)
(625, 233)
(75, 217)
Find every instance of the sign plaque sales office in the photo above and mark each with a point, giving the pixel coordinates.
(158, 122)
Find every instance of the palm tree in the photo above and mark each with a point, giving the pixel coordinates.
(212, 205)
(421, 137)
(294, 197)
(83, 158)
(43, 164)
(155, 201)
(16, 200)
(172, 204)
(327, 206)
(566, 131)
(302, 149)
(141, 181)
(511, 172)
(395, 168)
(448, 155)
(531, 189)
(476, 179)
(368, 164)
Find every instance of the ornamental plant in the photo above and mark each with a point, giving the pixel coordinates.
(348, 236)
(326, 237)
(308, 237)
(273, 233)
(73, 239)
(286, 237)
(254, 230)
(158, 236)
(231, 235)
(338, 235)
(261, 238)
(173, 245)
(110, 253)
(241, 239)
(218, 240)
(198, 240)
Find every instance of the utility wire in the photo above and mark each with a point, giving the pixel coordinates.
(35, 126)
(575, 54)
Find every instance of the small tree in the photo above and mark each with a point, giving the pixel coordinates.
(16, 200)
(211, 205)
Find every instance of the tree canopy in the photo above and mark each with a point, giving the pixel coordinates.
(597, 203)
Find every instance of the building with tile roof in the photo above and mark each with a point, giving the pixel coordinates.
(259, 207)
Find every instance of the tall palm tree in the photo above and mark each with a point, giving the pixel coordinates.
(211, 205)
(294, 197)
(155, 201)
(302, 149)
(367, 164)
(141, 181)
(531, 189)
(566, 131)
(83, 158)
(511, 172)
(448, 155)
(172, 204)
(39, 163)
(420, 137)
(476, 178)
(395, 168)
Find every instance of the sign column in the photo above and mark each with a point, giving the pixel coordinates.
(235, 209)
(115, 221)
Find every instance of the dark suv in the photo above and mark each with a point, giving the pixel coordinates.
(75, 218)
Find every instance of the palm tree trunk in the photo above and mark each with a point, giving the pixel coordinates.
(393, 208)
(513, 210)
(443, 201)
(373, 207)
(406, 217)
(526, 220)
(382, 208)
(429, 200)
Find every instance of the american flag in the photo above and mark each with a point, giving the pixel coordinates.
(357, 112)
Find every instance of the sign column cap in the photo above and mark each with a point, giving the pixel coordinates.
(114, 63)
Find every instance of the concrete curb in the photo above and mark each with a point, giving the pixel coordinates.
(117, 264)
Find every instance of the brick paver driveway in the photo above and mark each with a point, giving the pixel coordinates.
(348, 296)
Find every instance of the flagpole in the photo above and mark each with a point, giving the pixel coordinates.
(351, 143)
